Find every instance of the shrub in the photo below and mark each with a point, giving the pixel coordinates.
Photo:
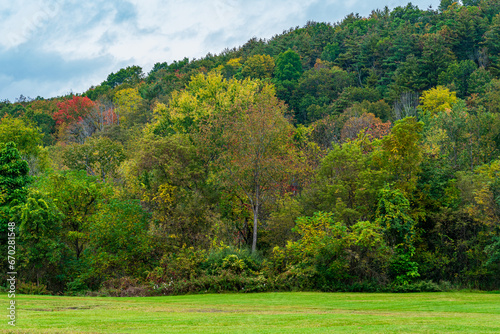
(32, 289)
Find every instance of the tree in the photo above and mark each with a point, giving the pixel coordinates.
(286, 73)
(101, 116)
(72, 111)
(28, 140)
(406, 106)
(457, 76)
(445, 4)
(436, 55)
(368, 122)
(437, 99)
(129, 107)
(132, 75)
(492, 42)
(43, 252)
(26, 137)
(257, 153)
(317, 88)
(98, 156)
(13, 180)
(328, 253)
(393, 214)
(479, 80)
(401, 153)
(330, 52)
(170, 177)
(347, 183)
(77, 197)
(204, 95)
(258, 67)
(288, 66)
(408, 77)
(119, 244)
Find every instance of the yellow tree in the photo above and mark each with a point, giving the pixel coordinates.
(128, 106)
(437, 99)
(258, 67)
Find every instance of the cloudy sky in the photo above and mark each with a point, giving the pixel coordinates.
(53, 47)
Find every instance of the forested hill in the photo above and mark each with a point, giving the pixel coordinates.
(360, 155)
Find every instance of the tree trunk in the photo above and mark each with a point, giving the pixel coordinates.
(255, 217)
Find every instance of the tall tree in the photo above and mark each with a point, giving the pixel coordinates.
(13, 180)
(257, 154)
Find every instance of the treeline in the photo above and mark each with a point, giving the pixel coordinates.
(360, 156)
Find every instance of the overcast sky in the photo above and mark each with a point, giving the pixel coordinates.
(54, 47)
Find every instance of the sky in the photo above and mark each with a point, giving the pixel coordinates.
(54, 47)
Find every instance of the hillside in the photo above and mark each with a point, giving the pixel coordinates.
(360, 155)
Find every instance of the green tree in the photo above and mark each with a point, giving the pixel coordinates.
(286, 73)
(457, 76)
(28, 140)
(492, 42)
(393, 215)
(131, 75)
(329, 254)
(288, 66)
(401, 153)
(347, 183)
(13, 181)
(43, 253)
(77, 197)
(408, 77)
(98, 156)
(436, 55)
(331, 52)
(119, 243)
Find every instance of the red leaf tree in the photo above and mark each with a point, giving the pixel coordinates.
(73, 110)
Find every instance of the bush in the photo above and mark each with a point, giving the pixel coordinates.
(422, 286)
(227, 281)
(241, 261)
(32, 289)
(122, 287)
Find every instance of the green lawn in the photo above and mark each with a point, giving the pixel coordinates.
(302, 312)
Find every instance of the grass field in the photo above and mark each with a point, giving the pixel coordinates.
(302, 312)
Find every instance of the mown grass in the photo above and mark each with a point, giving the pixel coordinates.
(301, 312)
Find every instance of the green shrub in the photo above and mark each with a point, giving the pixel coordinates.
(227, 281)
(32, 289)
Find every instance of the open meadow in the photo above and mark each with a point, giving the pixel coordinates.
(302, 312)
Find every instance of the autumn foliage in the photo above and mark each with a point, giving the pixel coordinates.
(73, 110)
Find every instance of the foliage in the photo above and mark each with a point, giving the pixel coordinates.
(13, 181)
(376, 137)
(98, 156)
(118, 243)
(330, 252)
(393, 215)
(129, 106)
(258, 67)
(254, 151)
(348, 182)
(73, 110)
(402, 153)
(28, 140)
(437, 99)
